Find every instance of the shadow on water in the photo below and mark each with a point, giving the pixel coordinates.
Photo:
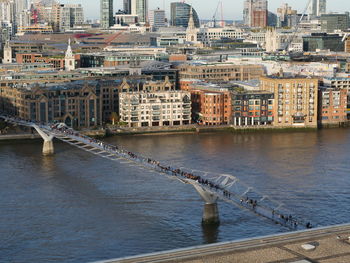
(210, 234)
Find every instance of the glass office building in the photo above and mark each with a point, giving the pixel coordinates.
(137, 7)
(180, 15)
(107, 18)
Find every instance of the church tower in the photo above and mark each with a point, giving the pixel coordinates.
(69, 60)
(7, 54)
(191, 31)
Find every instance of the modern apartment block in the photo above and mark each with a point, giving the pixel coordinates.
(295, 100)
(332, 109)
(221, 71)
(149, 108)
(251, 108)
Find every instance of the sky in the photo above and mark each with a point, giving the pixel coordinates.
(232, 8)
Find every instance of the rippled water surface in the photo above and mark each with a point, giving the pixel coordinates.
(76, 207)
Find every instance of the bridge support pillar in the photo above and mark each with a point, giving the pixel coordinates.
(211, 214)
(211, 211)
(48, 148)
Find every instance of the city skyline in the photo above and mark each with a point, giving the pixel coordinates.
(207, 11)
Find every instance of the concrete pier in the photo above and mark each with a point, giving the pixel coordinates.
(211, 214)
(48, 148)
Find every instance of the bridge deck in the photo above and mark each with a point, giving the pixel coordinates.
(225, 187)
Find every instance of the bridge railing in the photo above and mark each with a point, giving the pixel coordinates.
(226, 187)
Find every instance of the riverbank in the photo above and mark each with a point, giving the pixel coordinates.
(21, 136)
(188, 129)
(201, 129)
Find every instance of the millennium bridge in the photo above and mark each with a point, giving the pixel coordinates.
(210, 186)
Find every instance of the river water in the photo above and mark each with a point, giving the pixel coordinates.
(76, 207)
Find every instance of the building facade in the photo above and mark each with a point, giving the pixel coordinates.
(333, 22)
(138, 8)
(323, 41)
(221, 72)
(255, 13)
(332, 109)
(252, 108)
(180, 15)
(317, 8)
(71, 15)
(211, 107)
(295, 100)
(157, 18)
(286, 16)
(106, 9)
(160, 106)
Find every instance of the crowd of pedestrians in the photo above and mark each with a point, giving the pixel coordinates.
(288, 220)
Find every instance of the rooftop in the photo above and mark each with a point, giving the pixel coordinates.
(323, 245)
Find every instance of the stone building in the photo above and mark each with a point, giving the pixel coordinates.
(79, 104)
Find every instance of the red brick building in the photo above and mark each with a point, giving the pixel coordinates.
(210, 107)
(332, 109)
(32, 58)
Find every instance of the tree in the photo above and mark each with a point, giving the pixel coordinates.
(114, 118)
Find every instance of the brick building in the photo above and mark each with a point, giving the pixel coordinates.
(295, 100)
(80, 104)
(332, 109)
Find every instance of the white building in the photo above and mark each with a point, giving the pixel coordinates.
(208, 34)
(159, 108)
(7, 17)
(71, 15)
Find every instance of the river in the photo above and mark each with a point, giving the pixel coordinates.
(76, 207)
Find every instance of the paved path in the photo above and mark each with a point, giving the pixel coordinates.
(332, 245)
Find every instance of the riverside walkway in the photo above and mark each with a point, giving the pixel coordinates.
(323, 245)
(211, 186)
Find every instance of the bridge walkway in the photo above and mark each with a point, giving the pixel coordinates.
(222, 186)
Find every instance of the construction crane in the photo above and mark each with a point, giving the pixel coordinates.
(220, 5)
(297, 26)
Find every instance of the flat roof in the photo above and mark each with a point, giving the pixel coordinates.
(324, 245)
